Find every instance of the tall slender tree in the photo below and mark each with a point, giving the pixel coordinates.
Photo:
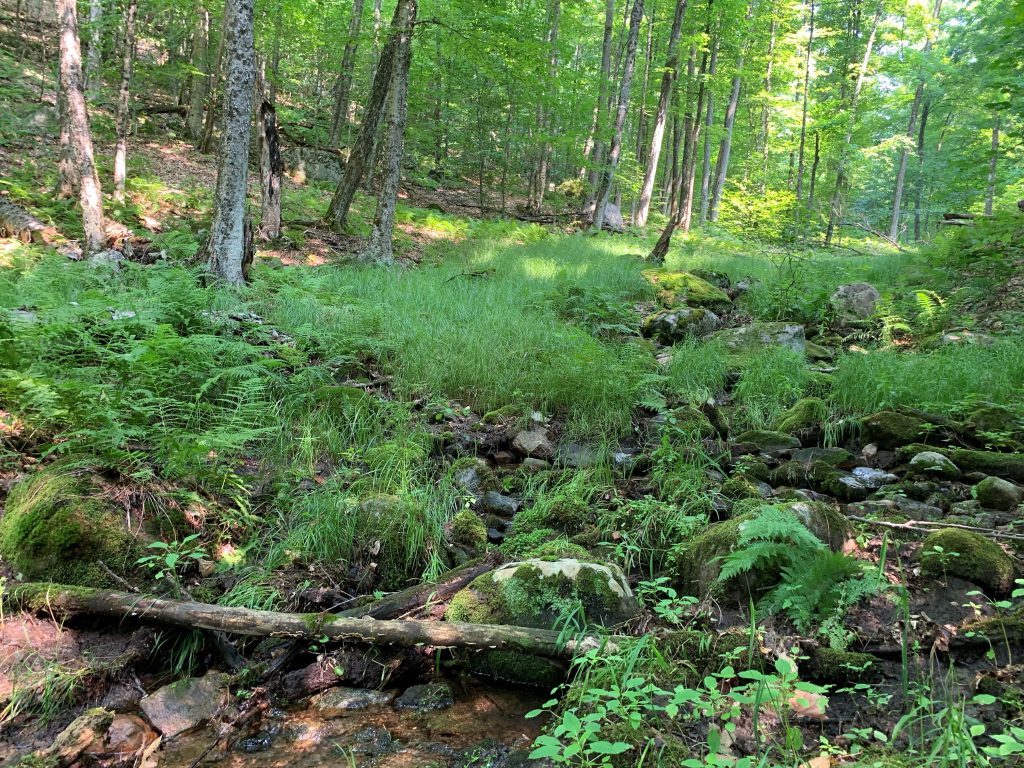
(124, 112)
(343, 88)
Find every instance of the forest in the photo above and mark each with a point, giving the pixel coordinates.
(506, 383)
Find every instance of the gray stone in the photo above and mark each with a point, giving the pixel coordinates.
(854, 302)
(673, 325)
(758, 335)
(337, 701)
(613, 218)
(426, 698)
(835, 457)
(914, 510)
(933, 463)
(999, 494)
(576, 455)
(768, 441)
(186, 704)
(499, 504)
(873, 478)
(535, 465)
(534, 443)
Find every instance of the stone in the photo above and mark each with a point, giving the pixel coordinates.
(1006, 465)
(127, 735)
(337, 701)
(613, 218)
(755, 336)
(891, 429)
(855, 302)
(834, 457)
(819, 352)
(186, 704)
(873, 478)
(963, 338)
(686, 288)
(893, 508)
(768, 441)
(534, 443)
(934, 464)
(427, 697)
(674, 325)
(576, 456)
(806, 415)
(970, 556)
(999, 494)
(471, 478)
(535, 465)
(499, 504)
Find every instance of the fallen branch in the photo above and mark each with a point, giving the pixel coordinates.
(17, 223)
(63, 601)
(876, 233)
(928, 526)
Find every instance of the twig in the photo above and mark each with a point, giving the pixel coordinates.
(127, 585)
(480, 273)
(927, 526)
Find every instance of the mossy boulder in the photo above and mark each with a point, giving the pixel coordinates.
(768, 441)
(743, 487)
(892, 429)
(468, 530)
(807, 415)
(792, 474)
(999, 494)
(676, 288)
(824, 521)
(563, 513)
(834, 457)
(747, 339)
(1006, 465)
(673, 325)
(834, 667)
(933, 464)
(385, 524)
(970, 556)
(690, 421)
(57, 528)
(989, 419)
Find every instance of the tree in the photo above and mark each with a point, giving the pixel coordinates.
(124, 113)
(75, 128)
(200, 89)
(340, 116)
(229, 246)
(378, 247)
(94, 57)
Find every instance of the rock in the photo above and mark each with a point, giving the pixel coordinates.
(999, 494)
(127, 736)
(990, 419)
(468, 530)
(717, 279)
(891, 429)
(807, 415)
(499, 504)
(792, 474)
(427, 697)
(873, 478)
(576, 455)
(741, 487)
(688, 420)
(304, 164)
(895, 507)
(759, 335)
(834, 457)
(931, 463)
(674, 325)
(381, 525)
(676, 288)
(535, 465)
(472, 477)
(967, 555)
(855, 302)
(819, 352)
(824, 521)
(1006, 465)
(843, 485)
(767, 441)
(121, 698)
(337, 701)
(534, 443)
(613, 218)
(965, 338)
(186, 704)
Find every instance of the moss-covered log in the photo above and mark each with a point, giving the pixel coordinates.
(66, 601)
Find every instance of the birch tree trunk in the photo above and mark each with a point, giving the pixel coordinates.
(709, 123)
(75, 126)
(608, 173)
(228, 247)
(668, 79)
(94, 54)
(343, 89)
(378, 247)
(124, 112)
(990, 189)
(803, 113)
(199, 92)
(205, 142)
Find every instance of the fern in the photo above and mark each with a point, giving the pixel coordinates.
(774, 538)
(810, 590)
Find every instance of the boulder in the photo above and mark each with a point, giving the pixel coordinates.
(613, 218)
(749, 338)
(674, 325)
(337, 701)
(468, 530)
(186, 704)
(676, 288)
(855, 302)
(999, 494)
(427, 697)
(933, 464)
(834, 457)
(499, 504)
(303, 164)
(970, 556)
(534, 443)
(1006, 465)
(807, 414)
(768, 441)
(891, 429)
(576, 455)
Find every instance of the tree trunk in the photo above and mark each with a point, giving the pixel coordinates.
(21, 225)
(378, 248)
(668, 79)
(543, 118)
(343, 89)
(94, 54)
(835, 210)
(709, 123)
(608, 173)
(228, 249)
(814, 170)
(990, 189)
(199, 92)
(597, 154)
(205, 143)
(362, 150)
(271, 171)
(693, 119)
(803, 113)
(919, 187)
(124, 112)
(75, 125)
(763, 139)
(58, 601)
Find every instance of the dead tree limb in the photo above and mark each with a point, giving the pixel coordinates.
(927, 526)
(17, 223)
(65, 601)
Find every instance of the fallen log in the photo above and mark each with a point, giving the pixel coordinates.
(17, 223)
(61, 601)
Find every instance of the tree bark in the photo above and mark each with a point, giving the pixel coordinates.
(803, 112)
(919, 187)
(668, 79)
(124, 112)
(199, 92)
(75, 126)
(60, 601)
(94, 54)
(271, 171)
(21, 225)
(362, 150)
(228, 249)
(709, 123)
(597, 153)
(205, 143)
(990, 189)
(763, 138)
(608, 173)
(343, 89)
(378, 248)
(540, 180)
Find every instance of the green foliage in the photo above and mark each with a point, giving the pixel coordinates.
(771, 381)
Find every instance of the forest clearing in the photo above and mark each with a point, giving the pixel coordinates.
(490, 384)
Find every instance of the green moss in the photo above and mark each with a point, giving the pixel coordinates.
(518, 668)
(827, 665)
(391, 520)
(697, 563)
(564, 513)
(521, 544)
(740, 487)
(791, 473)
(1009, 465)
(824, 521)
(468, 530)
(55, 528)
(504, 414)
(806, 414)
(685, 288)
(37, 597)
(768, 441)
(696, 654)
(891, 429)
(977, 559)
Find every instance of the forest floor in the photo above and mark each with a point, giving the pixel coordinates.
(804, 507)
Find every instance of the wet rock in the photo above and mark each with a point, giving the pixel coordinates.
(186, 704)
(891, 429)
(969, 556)
(121, 698)
(576, 455)
(499, 504)
(873, 479)
(373, 741)
(494, 536)
(767, 441)
(931, 463)
(426, 698)
(759, 335)
(674, 325)
(678, 288)
(1006, 465)
(337, 701)
(255, 744)
(834, 457)
(534, 443)
(999, 494)
(127, 736)
(855, 302)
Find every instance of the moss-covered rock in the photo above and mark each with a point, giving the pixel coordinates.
(742, 487)
(824, 521)
(835, 457)
(933, 464)
(996, 493)
(564, 513)
(792, 474)
(768, 441)
(689, 421)
(748, 339)
(833, 667)
(674, 325)
(1007, 465)
(676, 288)
(753, 467)
(468, 530)
(57, 528)
(842, 485)
(386, 522)
(989, 420)
(970, 556)
(806, 415)
(892, 429)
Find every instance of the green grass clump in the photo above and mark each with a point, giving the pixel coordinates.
(697, 371)
(771, 380)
